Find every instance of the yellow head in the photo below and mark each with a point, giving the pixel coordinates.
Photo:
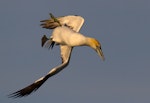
(93, 43)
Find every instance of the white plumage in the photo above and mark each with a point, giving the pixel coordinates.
(66, 34)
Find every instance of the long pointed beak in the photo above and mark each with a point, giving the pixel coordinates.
(100, 53)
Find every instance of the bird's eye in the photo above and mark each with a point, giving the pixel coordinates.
(100, 47)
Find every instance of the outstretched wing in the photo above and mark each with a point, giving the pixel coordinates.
(72, 21)
(65, 54)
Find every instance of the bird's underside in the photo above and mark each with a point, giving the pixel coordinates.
(72, 22)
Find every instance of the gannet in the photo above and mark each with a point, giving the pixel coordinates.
(66, 34)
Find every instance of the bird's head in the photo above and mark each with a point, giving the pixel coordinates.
(93, 43)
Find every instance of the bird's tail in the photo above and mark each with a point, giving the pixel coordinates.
(44, 40)
(49, 42)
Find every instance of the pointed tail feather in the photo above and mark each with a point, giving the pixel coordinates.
(44, 40)
(49, 44)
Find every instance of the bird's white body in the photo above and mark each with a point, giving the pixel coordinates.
(66, 36)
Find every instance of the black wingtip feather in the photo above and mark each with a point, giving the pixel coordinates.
(27, 90)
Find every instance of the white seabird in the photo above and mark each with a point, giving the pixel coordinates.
(66, 34)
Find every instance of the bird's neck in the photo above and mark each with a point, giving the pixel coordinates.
(84, 41)
(90, 42)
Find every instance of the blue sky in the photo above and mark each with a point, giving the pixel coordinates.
(122, 27)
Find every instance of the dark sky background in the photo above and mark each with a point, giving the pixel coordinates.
(122, 27)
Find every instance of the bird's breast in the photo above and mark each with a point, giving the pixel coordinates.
(66, 36)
